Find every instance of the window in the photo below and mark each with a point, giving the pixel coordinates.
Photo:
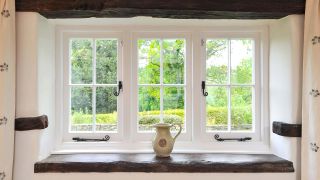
(94, 67)
(232, 106)
(161, 86)
(163, 91)
(163, 72)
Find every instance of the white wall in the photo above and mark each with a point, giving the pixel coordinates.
(35, 94)
(35, 90)
(286, 50)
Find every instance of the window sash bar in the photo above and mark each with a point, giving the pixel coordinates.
(161, 80)
(94, 89)
(229, 87)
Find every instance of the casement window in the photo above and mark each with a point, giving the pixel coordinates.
(161, 82)
(92, 67)
(231, 103)
(211, 82)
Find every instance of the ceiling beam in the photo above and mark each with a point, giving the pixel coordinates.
(186, 9)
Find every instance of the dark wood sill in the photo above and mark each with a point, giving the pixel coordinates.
(177, 163)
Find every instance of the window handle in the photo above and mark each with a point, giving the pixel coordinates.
(78, 139)
(203, 87)
(120, 87)
(217, 137)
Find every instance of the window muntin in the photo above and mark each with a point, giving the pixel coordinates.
(161, 77)
(93, 78)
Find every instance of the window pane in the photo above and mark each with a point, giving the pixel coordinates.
(81, 109)
(173, 61)
(106, 109)
(217, 61)
(149, 61)
(173, 102)
(149, 107)
(81, 61)
(106, 61)
(241, 108)
(241, 61)
(217, 109)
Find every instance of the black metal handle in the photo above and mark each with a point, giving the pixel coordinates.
(78, 139)
(120, 87)
(217, 137)
(203, 87)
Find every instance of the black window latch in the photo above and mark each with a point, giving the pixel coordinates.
(217, 137)
(78, 139)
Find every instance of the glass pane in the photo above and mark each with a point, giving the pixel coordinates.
(173, 61)
(241, 108)
(173, 105)
(149, 61)
(241, 61)
(149, 107)
(217, 61)
(81, 61)
(106, 61)
(81, 109)
(217, 109)
(106, 109)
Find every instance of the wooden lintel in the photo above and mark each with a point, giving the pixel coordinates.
(188, 9)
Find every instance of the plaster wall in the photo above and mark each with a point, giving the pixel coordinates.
(286, 54)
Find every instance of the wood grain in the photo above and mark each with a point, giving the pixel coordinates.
(31, 123)
(194, 9)
(187, 163)
(285, 129)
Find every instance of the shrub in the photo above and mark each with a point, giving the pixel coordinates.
(153, 119)
(215, 116)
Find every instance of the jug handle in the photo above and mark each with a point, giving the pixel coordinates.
(175, 137)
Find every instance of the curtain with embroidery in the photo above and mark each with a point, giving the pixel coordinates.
(311, 93)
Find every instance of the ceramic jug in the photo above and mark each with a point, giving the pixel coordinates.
(163, 141)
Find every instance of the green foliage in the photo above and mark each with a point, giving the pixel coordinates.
(149, 73)
(215, 116)
(219, 115)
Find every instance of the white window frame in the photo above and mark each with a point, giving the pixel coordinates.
(143, 136)
(67, 36)
(128, 139)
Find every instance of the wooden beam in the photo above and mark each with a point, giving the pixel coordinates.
(285, 129)
(187, 9)
(31, 123)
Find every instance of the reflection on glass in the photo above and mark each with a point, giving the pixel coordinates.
(149, 61)
(81, 109)
(217, 61)
(217, 109)
(106, 61)
(173, 61)
(81, 61)
(149, 107)
(241, 108)
(106, 109)
(241, 61)
(173, 105)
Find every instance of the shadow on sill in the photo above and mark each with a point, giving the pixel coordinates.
(177, 163)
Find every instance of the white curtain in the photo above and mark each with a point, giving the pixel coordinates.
(311, 93)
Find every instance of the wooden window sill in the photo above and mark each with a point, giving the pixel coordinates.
(177, 163)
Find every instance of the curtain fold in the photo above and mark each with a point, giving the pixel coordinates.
(310, 155)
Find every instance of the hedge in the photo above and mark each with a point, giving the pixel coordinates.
(215, 115)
